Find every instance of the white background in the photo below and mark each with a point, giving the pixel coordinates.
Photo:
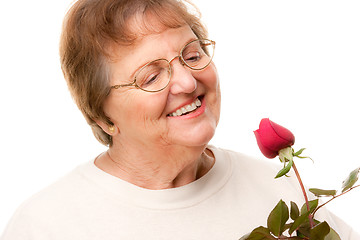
(296, 62)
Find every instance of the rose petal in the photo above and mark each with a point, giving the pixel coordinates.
(264, 150)
(283, 133)
(272, 137)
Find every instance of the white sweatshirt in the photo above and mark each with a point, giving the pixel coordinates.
(233, 198)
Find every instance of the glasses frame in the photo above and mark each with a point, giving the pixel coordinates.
(182, 61)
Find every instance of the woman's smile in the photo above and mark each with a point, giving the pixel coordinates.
(188, 109)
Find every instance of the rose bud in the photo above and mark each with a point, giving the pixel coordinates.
(272, 137)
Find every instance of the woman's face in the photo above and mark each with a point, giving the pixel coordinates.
(145, 119)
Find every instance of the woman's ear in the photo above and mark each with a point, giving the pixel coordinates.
(110, 129)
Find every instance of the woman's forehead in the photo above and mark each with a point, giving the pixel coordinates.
(153, 43)
(166, 44)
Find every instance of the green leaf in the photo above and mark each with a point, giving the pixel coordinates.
(287, 226)
(304, 229)
(285, 170)
(332, 235)
(294, 211)
(312, 205)
(320, 192)
(319, 231)
(277, 218)
(260, 233)
(300, 220)
(350, 180)
(305, 157)
(299, 152)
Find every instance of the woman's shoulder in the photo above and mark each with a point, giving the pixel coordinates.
(259, 174)
(56, 206)
(246, 161)
(55, 195)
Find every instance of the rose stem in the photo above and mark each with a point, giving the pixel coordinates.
(304, 193)
(334, 198)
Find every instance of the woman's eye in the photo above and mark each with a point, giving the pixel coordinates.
(192, 57)
(150, 79)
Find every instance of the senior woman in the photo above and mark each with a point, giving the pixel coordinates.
(141, 72)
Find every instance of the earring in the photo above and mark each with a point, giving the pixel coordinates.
(111, 129)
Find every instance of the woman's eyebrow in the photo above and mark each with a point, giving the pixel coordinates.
(138, 68)
(133, 74)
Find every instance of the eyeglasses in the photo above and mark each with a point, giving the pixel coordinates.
(155, 75)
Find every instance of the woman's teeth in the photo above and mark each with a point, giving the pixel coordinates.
(186, 109)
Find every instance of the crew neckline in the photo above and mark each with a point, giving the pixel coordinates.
(173, 198)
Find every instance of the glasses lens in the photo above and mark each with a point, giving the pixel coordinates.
(198, 54)
(154, 76)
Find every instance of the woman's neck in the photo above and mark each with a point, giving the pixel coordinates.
(162, 169)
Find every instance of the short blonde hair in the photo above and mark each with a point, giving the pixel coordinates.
(92, 27)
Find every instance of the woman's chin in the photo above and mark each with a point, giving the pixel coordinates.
(195, 138)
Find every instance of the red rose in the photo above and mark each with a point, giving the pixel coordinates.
(272, 137)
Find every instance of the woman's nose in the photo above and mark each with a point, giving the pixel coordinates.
(182, 81)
